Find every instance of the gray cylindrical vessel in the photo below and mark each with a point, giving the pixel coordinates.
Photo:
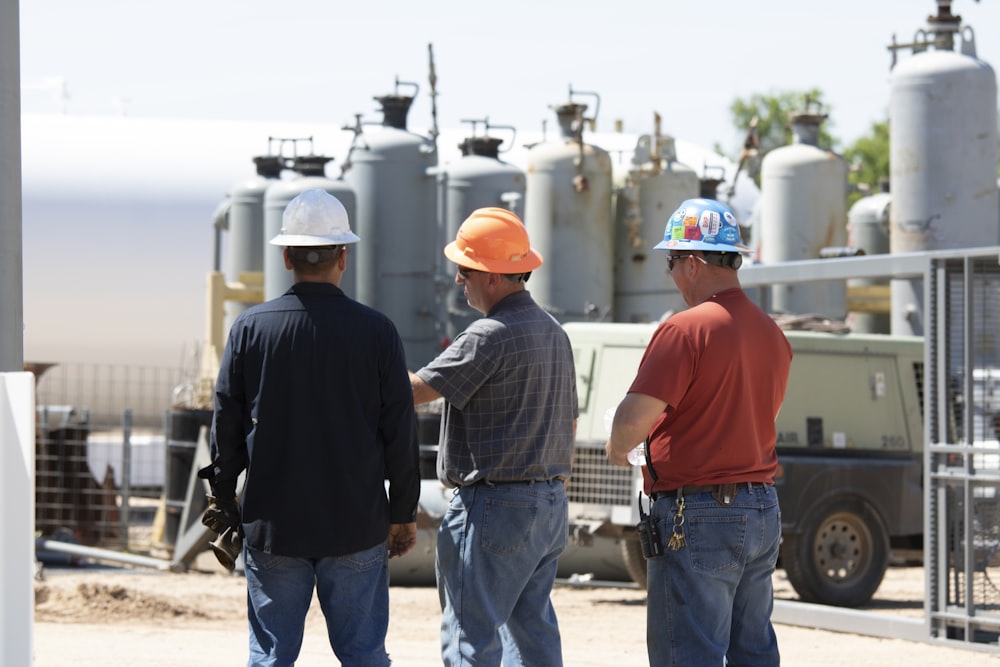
(568, 216)
(654, 188)
(399, 257)
(245, 252)
(943, 163)
(803, 210)
(868, 231)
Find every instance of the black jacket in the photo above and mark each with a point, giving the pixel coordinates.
(313, 399)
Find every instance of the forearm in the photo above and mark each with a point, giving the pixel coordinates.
(422, 392)
(634, 418)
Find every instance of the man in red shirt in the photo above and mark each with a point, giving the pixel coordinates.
(705, 398)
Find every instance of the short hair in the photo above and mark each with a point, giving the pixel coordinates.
(517, 277)
(311, 260)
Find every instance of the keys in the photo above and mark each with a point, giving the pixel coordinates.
(676, 542)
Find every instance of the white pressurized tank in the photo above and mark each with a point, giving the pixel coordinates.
(478, 179)
(245, 218)
(803, 209)
(399, 256)
(868, 233)
(310, 170)
(653, 189)
(942, 159)
(568, 216)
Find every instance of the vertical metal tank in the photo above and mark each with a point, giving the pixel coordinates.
(568, 216)
(245, 222)
(310, 170)
(476, 180)
(654, 187)
(392, 173)
(942, 154)
(868, 232)
(803, 209)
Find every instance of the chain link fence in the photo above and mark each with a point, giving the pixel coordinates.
(102, 454)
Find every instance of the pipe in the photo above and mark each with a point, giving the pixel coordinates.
(42, 544)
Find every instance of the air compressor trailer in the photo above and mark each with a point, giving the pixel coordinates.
(849, 447)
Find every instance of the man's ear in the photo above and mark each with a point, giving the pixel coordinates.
(288, 262)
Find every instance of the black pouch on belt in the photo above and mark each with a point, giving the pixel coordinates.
(649, 536)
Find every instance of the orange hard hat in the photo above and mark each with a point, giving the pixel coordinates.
(493, 240)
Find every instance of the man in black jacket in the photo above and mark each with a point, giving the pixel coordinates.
(313, 400)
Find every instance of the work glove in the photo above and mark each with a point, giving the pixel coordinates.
(228, 546)
(221, 514)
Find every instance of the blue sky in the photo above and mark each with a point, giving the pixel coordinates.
(123, 289)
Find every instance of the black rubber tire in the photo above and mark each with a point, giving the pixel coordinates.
(841, 556)
(635, 562)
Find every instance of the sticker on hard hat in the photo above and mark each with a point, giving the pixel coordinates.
(729, 235)
(686, 233)
(710, 223)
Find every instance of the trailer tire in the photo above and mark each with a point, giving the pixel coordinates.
(635, 562)
(841, 555)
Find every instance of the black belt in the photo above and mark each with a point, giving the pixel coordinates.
(715, 489)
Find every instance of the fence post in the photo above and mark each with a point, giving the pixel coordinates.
(126, 488)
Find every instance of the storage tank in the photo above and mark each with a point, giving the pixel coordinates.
(478, 179)
(803, 210)
(942, 155)
(245, 222)
(654, 188)
(568, 216)
(310, 174)
(868, 233)
(400, 256)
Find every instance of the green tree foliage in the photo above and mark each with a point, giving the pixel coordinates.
(773, 113)
(869, 160)
(765, 120)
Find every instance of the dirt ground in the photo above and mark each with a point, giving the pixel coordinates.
(99, 615)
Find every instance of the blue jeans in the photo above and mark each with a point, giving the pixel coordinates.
(497, 552)
(713, 598)
(353, 592)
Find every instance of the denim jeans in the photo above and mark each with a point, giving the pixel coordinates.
(353, 592)
(497, 552)
(712, 600)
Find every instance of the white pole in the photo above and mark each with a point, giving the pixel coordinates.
(17, 517)
(17, 388)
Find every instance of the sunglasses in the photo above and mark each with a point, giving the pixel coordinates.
(676, 258)
(465, 272)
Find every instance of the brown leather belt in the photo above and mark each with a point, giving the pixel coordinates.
(720, 491)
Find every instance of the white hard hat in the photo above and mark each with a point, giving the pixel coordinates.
(313, 218)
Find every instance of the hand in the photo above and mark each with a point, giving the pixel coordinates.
(221, 514)
(402, 538)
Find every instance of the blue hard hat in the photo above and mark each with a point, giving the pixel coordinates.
(702, 224)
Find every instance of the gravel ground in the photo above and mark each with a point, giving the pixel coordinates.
(96, 615)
